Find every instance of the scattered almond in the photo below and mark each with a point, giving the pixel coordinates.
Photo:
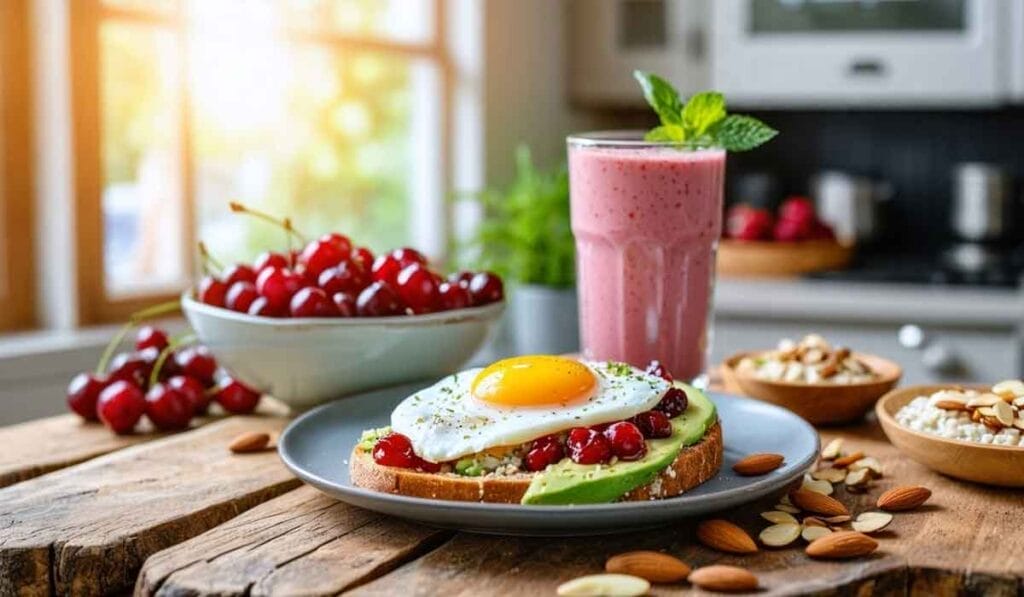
(983, 400)
(789, 508)
(1011, 388)
(838, 519)
(780, 535)
(831, 451)
(817, 503)
(817, 486)
(902, 498)
(653, 566)
(871, 522)
(841, 545)
(847, 460)
(779, 517)
(812, 533)
(605, 584)
(871, 463)
(1004, 413)
(758, 464)
(723, 578)
(250, 441)
(858, 477)
(832, 475)
(813, 521)
(723, 535)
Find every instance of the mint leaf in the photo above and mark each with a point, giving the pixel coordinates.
(741, 133)
(702, 111)
(661, 96)
(668, 132)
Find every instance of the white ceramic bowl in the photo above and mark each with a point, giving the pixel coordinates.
(305, 362)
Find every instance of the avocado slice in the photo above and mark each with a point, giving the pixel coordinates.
(569, 483)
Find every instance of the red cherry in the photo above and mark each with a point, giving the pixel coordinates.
(237, 398)
(788, 231)
(378, 300)
(120, 406)
(345, 304)
(653, 424)
(278, 286)
(340, 241)
(408, 256)
(197, 362)
(83, 392)
(133, 367)
(312, 302)
(418, 289)
(799, 209)
(345, 277)
(261, 307)
(212, 291)
(385, 269)
(363, 257)
(486, 288)
(588, 446)
(656, 368)
(627, 440)
(743, 222)
(394, 449)
(544, 451)
(168, 408)
(320, 255)
(149, 336)
(193, 390)
(241, 296)
(461, 278)
(673, 403)
(454, 296)
(270, 259)
(238, 273)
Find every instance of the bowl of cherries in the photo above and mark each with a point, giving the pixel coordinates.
(331, 319)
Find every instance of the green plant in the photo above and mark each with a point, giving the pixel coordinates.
(525, 235)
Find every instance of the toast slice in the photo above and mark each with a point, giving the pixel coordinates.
(694, 465)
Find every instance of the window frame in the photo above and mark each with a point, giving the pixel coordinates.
(86, 20)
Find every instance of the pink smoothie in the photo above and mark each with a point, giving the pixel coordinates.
(646, 221)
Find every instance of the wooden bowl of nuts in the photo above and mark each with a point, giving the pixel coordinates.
(975, 433)
(821, 383)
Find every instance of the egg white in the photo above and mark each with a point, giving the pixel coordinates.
(445, 422)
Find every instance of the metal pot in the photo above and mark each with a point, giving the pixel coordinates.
(982, 202)
(850, 204)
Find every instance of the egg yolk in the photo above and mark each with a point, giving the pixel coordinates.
(535, 380)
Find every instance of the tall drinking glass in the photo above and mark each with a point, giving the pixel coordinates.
(646, 217)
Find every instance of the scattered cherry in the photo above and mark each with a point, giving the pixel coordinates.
(454, 296)
(198, 363)
(656, 368)
(133, 367)
(653, 424)
(83, 393)
(394, 449)
(347, 276)
(385, 269)
(237, 398)
(345, 304)
(149, 336)
(193, 390)
(268, 260)
(312, 302)
(168, 408)
(212, 291)
(588, 446)
(120, 406)
(486, 288)
(363, 257)
(627, 440)
(238, 273)
(378, 300)
(673, 403)
(417, 288)
(278, 286)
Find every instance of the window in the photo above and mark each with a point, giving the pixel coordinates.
(16, 266)
(334, 112)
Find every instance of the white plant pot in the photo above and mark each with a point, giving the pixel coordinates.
(544, 320)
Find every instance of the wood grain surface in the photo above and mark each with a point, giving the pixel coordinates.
(88, 528)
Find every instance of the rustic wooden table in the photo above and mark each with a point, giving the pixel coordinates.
(85, 512)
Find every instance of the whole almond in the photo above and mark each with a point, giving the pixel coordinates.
(250, 441)
(723, 578)
(723, 535)
(651, 565)
(902, 498)
(841, 545)
(847, 460)
(817, 503)
(758, 464)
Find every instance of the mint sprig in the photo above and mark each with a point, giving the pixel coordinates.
(702, 121)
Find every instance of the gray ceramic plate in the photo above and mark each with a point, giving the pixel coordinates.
(316, 447)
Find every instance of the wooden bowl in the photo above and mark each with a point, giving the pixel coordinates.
(780, 259)
(981, 463)
(817, 403)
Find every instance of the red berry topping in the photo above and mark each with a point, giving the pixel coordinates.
(345, 277)
(454, 296)
(385, 269)
(133, 367)
(197, 362)
(312, 302)
(236, 397)
(278, 286)
(418, 289)
(363, 257)
(588, 446)
(322, 254)
(408, 256)
(120, 406)
(83, 392)
(656, 368)
(270, 259)
(212, 291)
(193, 390)
(261, 307)
(238, 273)
(627, 440)
(673, 403)
(653, 424)
(345, 304)
(378, 300)
(149, 336)
(544, 451)
(168, 408)
(486, 288)
(241, 296)
(394, 449)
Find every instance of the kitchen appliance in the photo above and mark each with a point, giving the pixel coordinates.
(981, 217)
(850, 204)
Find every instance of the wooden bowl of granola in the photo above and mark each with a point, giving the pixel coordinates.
(962, 455)
(825, 399)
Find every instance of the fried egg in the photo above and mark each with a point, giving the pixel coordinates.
(520, 399)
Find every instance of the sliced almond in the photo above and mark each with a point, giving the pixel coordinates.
(1004, 413)
(832, 475)
(810, 533)
(871, 522)
(1018, 422)
(605, 584)
(818, 486)
(951, 405)
(871, 463)
(1011, 388)
(988, 411)
(780, 535)
(857, 477)
(831, 451)
(1019, 402)
(983, 400)
(847, 460)
(789, 508)
(813, 521)
(838, 519)
(779, 517)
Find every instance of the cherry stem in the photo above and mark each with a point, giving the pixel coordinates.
(138, 316)
(208, 259)
(284, 223)
(174, 343)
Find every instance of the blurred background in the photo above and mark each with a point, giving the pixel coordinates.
(126, 127)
